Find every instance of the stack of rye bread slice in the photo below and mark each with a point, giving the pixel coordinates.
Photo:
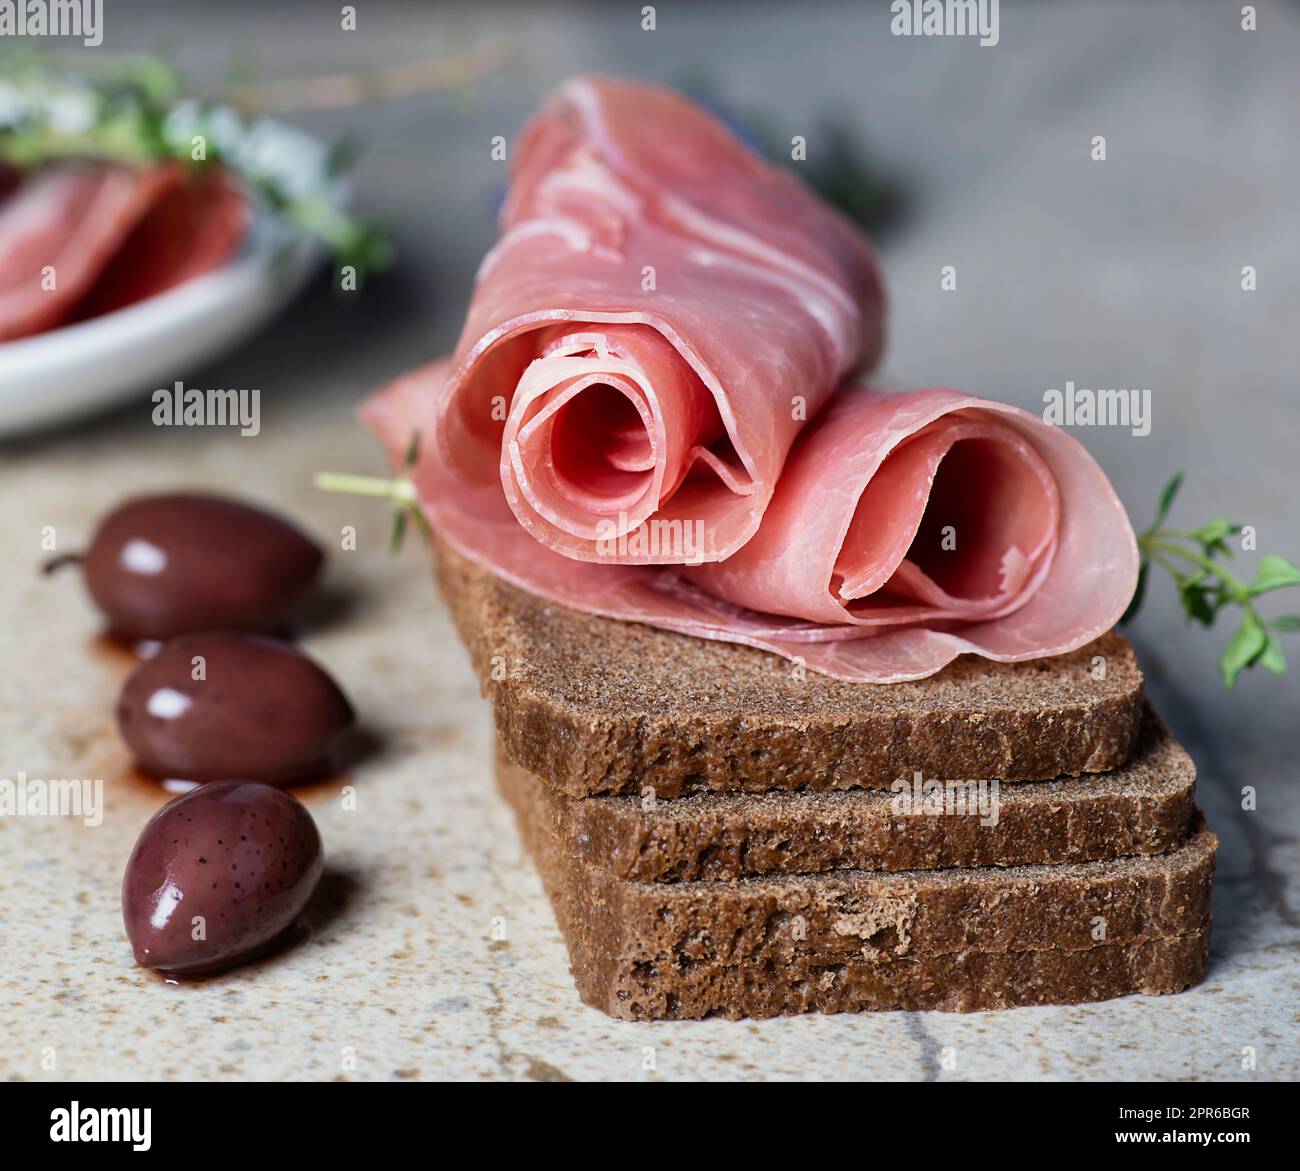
(722, 836)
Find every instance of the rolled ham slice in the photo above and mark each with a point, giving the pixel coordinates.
(906, 529)
(663, 312)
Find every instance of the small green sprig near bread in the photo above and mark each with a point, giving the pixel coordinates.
(1194, 558)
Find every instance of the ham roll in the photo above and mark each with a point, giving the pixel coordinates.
(905, 530)
(671, 448)
(662, 314)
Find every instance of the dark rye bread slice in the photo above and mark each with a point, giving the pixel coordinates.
(961, 940)
(594, 706)
(1143, 807)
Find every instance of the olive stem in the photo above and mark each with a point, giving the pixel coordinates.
(54, 564)
(399, 488)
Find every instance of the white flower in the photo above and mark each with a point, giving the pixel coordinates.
(71, 112)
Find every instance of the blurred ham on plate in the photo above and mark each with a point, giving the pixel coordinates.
(76, 242)
(119, 281)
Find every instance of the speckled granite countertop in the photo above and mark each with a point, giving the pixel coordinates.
(404, 973)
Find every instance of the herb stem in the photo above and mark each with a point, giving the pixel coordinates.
(1151, 542)
(342, 90)
(1161, 560)
(1157, 549)
(400, 488)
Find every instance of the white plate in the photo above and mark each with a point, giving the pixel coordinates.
(55, 376)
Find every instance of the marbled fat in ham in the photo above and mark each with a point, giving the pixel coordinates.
(663, 312)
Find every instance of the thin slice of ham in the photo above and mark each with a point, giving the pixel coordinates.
(906, 529)
(663, 312)
(192, 228)
(76, 242)
(57, 233)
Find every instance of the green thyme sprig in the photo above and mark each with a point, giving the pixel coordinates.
(132, 113)
(399, 489)
(1194, 558)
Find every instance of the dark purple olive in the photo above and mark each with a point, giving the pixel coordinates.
(225, 705)
(217, 876)
(159, 566)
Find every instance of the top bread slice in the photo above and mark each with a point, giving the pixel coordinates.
(593, 706)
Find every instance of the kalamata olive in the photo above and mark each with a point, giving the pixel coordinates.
(218, 875)
(159, 566)
(225, 705)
